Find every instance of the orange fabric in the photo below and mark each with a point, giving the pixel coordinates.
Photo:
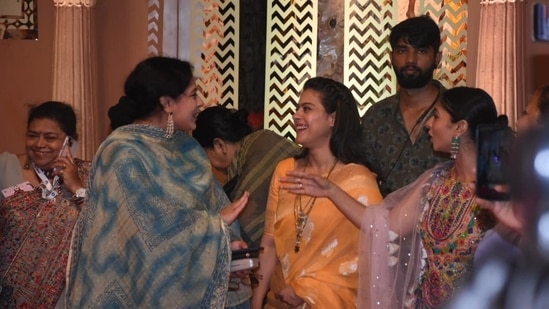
(325, 271)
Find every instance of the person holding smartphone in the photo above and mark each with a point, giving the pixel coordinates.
(418, 246)
(43, 191)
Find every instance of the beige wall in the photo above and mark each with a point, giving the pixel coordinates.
(25, 78)
(26, 66)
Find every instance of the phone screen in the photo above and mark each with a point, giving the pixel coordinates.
(493, 149)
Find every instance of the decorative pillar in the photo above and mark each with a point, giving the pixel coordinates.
(74, 71)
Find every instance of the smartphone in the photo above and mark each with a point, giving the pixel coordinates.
(66, 144)
(493, 149)
(245, 259)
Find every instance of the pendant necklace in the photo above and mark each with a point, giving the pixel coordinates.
(301, 213)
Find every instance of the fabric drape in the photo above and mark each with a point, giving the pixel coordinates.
(500, 60)
(324, 272)
(152, 236)
(74, 71)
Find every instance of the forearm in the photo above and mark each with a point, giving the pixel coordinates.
(267, 263)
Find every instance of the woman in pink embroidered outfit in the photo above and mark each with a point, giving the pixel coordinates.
(418, 247)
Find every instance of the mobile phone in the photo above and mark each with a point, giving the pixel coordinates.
(493, 149)
(245, 259)
(244, 264)
(66, 143)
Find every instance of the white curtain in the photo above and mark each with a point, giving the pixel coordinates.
(74, 72)
(500, 69)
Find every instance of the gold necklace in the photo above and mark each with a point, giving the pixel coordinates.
(301, 213)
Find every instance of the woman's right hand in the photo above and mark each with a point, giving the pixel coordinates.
(298, 182)
(231, 212)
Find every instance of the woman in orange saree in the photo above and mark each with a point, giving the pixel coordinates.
(310, 257)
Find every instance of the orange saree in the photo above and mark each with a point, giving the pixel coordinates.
(324, 273)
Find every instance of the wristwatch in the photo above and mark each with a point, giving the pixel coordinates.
(80, 195)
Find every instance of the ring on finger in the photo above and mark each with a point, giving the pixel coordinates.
(300, 185)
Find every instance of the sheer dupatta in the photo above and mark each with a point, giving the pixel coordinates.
(391, 257)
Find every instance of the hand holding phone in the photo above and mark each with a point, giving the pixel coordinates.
(65, 146)
(245, 259)
(493, 149)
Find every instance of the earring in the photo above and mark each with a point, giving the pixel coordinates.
(169, 126)
(27, 164)
(454, 147)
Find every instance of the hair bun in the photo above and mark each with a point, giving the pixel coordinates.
(123, 113)
(502, 120)
(241, 116)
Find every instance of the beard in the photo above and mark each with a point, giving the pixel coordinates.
(418, 80)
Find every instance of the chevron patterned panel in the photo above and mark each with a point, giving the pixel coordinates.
(367, 62)
(451, 16)
(290, 59)
(153, 33)
(215, 47)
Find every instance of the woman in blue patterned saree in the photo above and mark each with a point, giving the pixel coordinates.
(156, 233)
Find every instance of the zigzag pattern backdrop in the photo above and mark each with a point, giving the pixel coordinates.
(367, 63)
(451, 16)
(217, 51)
(153, 33)
(290, 59)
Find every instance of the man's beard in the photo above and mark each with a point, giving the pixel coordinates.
(415, 81)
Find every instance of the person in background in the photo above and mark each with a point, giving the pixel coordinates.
(506, 239)
(156, 233)
(248, 161)
(418, 246)
(537, 110)
(247, 158)
(44, 191)
(396, 147)
(310, 248)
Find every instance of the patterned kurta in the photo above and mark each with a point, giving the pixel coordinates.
(152, 236)
(34, 247)
(451, 229)
(388, 150)
(324, 273)
(418, 246)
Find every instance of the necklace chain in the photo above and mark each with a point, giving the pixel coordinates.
(301, 213)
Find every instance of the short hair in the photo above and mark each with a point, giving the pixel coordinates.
(59, 112)
(220, 122)
(420, 32)
(152, 78)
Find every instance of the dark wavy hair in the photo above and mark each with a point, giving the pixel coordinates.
(473, 105)
(420, 32)
(220, 122)
(59, 112)
(346, 133)
(151, 79)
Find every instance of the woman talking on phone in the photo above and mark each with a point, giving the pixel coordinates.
(43, 191)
